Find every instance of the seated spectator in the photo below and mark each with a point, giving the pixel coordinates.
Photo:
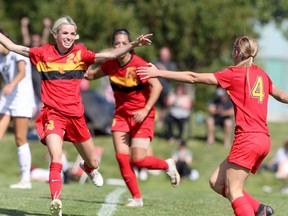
(279, 158)
(180, 105)
(220, 114)
(183, 158)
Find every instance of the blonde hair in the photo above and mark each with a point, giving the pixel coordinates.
(65, 20)
(246, 49)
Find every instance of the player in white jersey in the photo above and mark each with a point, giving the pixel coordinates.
(17, 103)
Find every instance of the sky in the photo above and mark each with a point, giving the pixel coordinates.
(272, 43)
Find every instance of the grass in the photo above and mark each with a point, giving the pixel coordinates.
(161, 199)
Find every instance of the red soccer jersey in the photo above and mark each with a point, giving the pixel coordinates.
(61, 75)
(131, 93)
(249, 94)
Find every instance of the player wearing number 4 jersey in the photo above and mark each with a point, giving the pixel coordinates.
(249, 88)
(62, 66)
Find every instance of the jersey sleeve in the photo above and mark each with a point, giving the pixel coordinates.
(224, 77)
(270, 85)
(106, 66)
(34, 55)
(88, 56)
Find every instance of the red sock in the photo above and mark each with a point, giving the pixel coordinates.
(87, 168)
(151, 162)
(128, 174)
(242, 207)
(55, 180)
(253, 202)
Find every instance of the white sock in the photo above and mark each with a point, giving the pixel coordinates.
(65, 164)
(24, 156)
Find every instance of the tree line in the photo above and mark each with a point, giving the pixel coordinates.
(199, 33)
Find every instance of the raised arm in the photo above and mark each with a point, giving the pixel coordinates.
(8, 44)
(46, 30)
(25, 31)
(142, 40)
(182, 76)
(279, 95)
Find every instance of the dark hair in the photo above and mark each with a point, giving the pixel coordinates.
(120, 31)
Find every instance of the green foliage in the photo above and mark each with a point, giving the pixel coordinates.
(199, 33)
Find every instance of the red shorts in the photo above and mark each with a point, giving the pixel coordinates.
(249, 150)
(126, 124)
(69, 128)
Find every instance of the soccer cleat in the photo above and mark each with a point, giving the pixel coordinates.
(136, 202)
(264, 210)
(21, 185)
(56, 207)
(173, 173)
(95, 176)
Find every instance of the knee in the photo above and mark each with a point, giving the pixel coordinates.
(139, 163)
(228, 123)
(20, 140)
(215, 185)
(212, 183)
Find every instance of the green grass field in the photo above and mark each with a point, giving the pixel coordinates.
(160, 198)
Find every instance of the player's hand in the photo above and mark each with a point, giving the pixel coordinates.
(25, 21)
(140, 115)
(143, 40)
(47, 22)
(150, 71)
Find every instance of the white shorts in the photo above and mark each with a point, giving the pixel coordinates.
(17, 112)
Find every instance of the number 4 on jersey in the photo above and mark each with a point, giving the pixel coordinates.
(257, 90)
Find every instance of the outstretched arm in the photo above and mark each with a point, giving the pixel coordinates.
(142, 40)
(184, 76)
(95, 73)
(279, 95)
(8, 44)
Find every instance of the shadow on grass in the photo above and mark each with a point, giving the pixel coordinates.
(17, 212)
(24, 213)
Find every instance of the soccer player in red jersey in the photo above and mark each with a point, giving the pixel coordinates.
(249, 88)
(133, 123)
(61, 67)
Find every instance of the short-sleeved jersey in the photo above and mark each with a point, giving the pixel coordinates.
(61, 75)
(23, 92)
(249, 92)
(130, 92)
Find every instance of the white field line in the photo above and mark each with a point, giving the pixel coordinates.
(111, 201)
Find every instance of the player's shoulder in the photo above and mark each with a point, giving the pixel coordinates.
(138, 59)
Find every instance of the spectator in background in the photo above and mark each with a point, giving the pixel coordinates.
(17, 104)
(35, 40)
(220, 114)
(273, 163)
(183, 157)
(164, 63)
(179, 105)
